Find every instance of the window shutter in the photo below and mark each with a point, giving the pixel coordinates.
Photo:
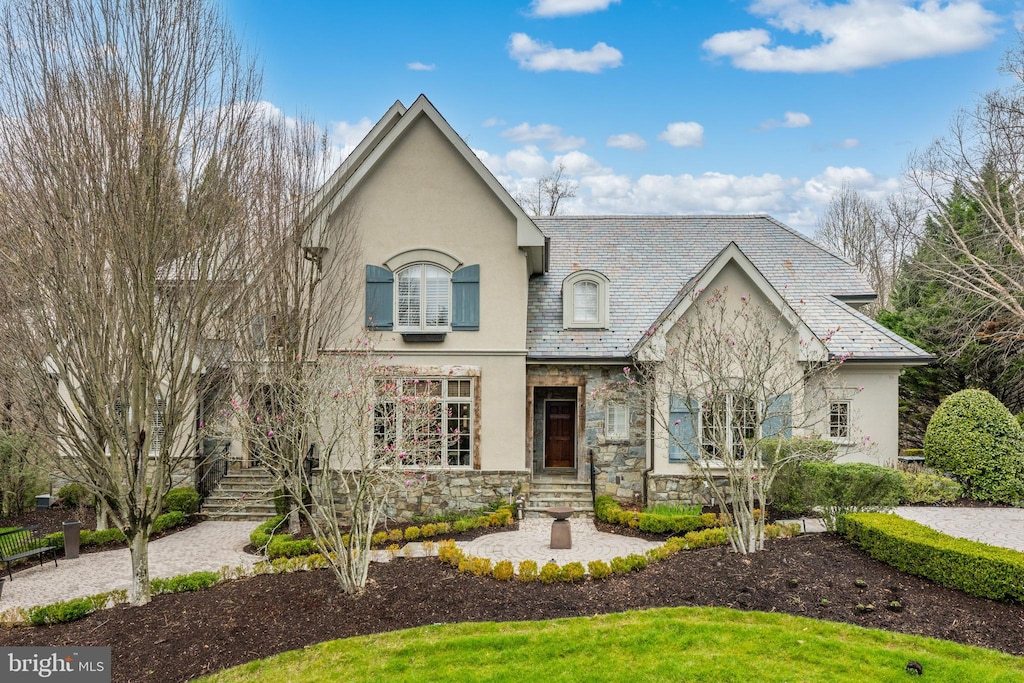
(683, 443)
(778, 420)
(466, 298)
(380, 285)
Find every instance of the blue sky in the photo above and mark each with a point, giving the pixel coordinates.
(655, 106)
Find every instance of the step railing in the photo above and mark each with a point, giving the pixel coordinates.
(213, 465)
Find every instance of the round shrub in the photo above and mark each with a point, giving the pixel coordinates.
(975, 439)
(73, 495)
(183, 499)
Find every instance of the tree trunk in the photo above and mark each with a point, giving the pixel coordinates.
(138, 545)
(294, 521)
(102, 516)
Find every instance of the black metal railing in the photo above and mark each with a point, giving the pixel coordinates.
(593, 479)
(212, 467)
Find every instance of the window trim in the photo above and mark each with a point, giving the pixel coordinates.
(422, 327)
(569, 320)
(845, 417)
(609, 423)
(758, 425)
(446, 400)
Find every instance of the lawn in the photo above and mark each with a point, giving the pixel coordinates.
(691, 644)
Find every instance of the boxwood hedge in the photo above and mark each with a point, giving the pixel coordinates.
(975, 568)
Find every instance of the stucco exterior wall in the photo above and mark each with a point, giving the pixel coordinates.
(422, 194)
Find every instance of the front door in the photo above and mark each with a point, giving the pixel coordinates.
(559, 434)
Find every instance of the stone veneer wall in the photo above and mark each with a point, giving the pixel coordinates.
(454, 490)
(619, 463)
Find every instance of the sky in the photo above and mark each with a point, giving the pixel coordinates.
(652, 106)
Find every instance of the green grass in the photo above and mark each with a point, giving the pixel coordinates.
(674, 510)
(683, 644)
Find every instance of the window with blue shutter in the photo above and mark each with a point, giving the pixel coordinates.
(778, 418)
(380, 287)
(466, 298)
(683, 444)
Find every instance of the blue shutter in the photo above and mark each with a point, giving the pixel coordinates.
(380, 287)
(682, 415)
(778, 420)
(466, 298)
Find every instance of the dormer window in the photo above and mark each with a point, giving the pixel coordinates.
(424, 298)
(585, 300)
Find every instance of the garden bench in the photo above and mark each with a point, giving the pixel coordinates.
(23, 542)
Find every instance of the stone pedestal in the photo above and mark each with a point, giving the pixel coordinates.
(561, 530)
(561, 534)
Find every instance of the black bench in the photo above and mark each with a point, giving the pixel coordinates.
(25, 542)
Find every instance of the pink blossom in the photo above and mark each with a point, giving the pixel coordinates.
(270, 432)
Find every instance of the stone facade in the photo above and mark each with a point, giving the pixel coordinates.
(455, 490)
(619, 463)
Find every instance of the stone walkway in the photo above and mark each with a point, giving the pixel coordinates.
(531, 542)
(1002, 527)
(213, 545)
(206, 546)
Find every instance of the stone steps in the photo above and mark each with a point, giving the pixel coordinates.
(242, 495)
(552, 491)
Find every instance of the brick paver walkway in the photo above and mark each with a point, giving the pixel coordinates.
(1002, 527)
(206, 546)
(532, 540)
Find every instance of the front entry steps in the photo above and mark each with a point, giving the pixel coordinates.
(559, 491)
(242, 495)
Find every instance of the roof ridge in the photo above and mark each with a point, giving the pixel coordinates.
(810, 241)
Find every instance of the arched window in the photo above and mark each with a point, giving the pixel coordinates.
(424, 298)
(585, 300)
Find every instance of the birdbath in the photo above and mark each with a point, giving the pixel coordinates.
(561, 531)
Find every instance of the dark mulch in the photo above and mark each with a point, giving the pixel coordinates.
(181, 636)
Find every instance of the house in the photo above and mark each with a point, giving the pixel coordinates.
(521, 320)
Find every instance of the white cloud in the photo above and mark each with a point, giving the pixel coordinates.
(791, 119)
(848, 143)
(819, 189)
(528, 162)
(420, 66)
(536, 56)
(492, 122)
(566, 8)
(630, 141)
(683, 134)
(856, 34)
(344, 136)
(546, 133)
(577, 163)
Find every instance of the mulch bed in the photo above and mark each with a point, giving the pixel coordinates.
(181, 636)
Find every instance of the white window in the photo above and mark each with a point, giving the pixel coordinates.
(424, 298)
(729, 422)
(839, 420)
(585, 300)
(616, 421)
(425, 422)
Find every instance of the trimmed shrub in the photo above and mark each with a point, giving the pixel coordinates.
(428, 530)
(260, 536)
(620, 565)
(503, 570)
(60, 612)
(807, 449)
(477, 566)
(975, 568)
(572, 572)
(283, 545)
(607, 510)
(598, 569)
(914, 452)
(974, 438)
(184, 499)
(549, 573)
(395, 535)
(73, 495)
(185, 583)
(838, 489)
(412, 533)
(379, 538)
(104, 537)
(527, 571)
(168, 520)
(708, 538)
(929, 488)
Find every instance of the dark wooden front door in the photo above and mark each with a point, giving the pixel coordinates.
(560, 434)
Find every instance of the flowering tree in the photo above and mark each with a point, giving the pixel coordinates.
(375, 432)
(734, 380)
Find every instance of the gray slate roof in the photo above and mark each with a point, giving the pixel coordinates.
(648, 259)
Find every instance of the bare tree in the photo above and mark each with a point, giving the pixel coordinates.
(550, 191)
(980, 164)
(876, 237)
(126, 133)
(736, 378)
(285, 311)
